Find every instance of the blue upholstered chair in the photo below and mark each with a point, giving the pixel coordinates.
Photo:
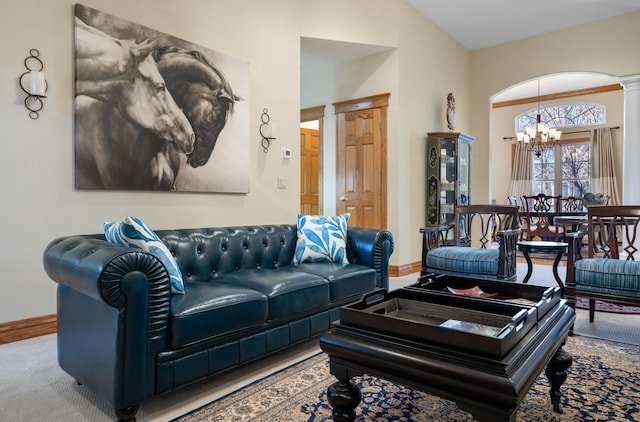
(451, 250)
(610, 272)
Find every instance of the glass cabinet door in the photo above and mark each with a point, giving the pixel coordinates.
(464, 173)
(447, 181)
(448, 176)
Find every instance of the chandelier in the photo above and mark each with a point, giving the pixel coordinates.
(539, 136)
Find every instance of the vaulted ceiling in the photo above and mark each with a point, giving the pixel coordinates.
(480, 24)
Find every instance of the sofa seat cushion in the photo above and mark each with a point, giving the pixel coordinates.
(208, 309)
(289, 292)
(345, 281)
(464, 260)
(614, 276)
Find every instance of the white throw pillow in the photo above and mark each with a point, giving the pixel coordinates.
(134, 233)
(321, 239)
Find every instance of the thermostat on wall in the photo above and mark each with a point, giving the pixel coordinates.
(286, 153)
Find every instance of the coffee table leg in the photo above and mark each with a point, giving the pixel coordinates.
(529, 266)
(344, 397)
(556, 373)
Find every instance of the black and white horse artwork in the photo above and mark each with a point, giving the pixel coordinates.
(151, 109)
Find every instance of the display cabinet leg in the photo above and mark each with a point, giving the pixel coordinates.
(343, 397)
(556, 373)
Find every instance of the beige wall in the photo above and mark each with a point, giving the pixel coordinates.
(503, 124)
(421, 67)
(40, 204)
(431, 64)
(602, 47)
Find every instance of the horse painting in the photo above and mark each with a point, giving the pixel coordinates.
(202, 92)
(207, 99)
(115, 153)
(121, 146)
(125, 75)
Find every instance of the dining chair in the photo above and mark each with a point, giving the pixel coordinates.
(594, 200)
(571, 204)
(539, 211)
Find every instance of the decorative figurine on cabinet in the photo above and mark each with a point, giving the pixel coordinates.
(451, 111)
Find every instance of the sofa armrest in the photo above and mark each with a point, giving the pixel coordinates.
(97, 268)
(371, 247)
(435, 237)
(432, 238)
(113, 309)
(574, 240)
(507, 245)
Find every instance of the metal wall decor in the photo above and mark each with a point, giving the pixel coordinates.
(33, 83)
(267, 131)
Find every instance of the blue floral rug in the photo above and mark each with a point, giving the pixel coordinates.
(603, 385)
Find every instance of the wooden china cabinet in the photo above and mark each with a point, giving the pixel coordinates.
(448, 176)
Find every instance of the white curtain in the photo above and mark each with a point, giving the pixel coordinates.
(521, 174)
(603, 176)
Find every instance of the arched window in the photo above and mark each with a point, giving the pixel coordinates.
(564, 170)
(564, 115)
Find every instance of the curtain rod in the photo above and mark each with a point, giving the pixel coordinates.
(506, 138)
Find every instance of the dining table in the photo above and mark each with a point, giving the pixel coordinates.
(570, 223)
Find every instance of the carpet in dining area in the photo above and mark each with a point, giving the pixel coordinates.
(583, 303)
(603, 384)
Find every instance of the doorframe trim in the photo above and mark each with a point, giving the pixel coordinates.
(308, 115)
(373, 101)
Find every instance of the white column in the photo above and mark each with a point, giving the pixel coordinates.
(631, 147)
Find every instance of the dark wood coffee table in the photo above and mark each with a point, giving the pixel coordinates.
(489, 387)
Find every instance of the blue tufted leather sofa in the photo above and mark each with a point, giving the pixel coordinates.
(124, 335)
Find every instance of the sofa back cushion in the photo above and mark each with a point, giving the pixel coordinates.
(208, 253)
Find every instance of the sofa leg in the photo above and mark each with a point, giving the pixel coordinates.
(128, 413)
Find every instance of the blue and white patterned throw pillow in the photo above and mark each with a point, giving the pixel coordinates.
(134, 233)
(321, 239)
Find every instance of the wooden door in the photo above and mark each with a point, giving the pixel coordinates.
(309, 165)
(361, 161)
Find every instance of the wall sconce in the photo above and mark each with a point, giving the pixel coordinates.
(33, 83)
(267, 131)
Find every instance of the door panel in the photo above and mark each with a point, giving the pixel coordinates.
(309, 167)
(361, 163)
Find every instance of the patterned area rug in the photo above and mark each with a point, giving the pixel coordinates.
(603, 385)
(583, 303)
